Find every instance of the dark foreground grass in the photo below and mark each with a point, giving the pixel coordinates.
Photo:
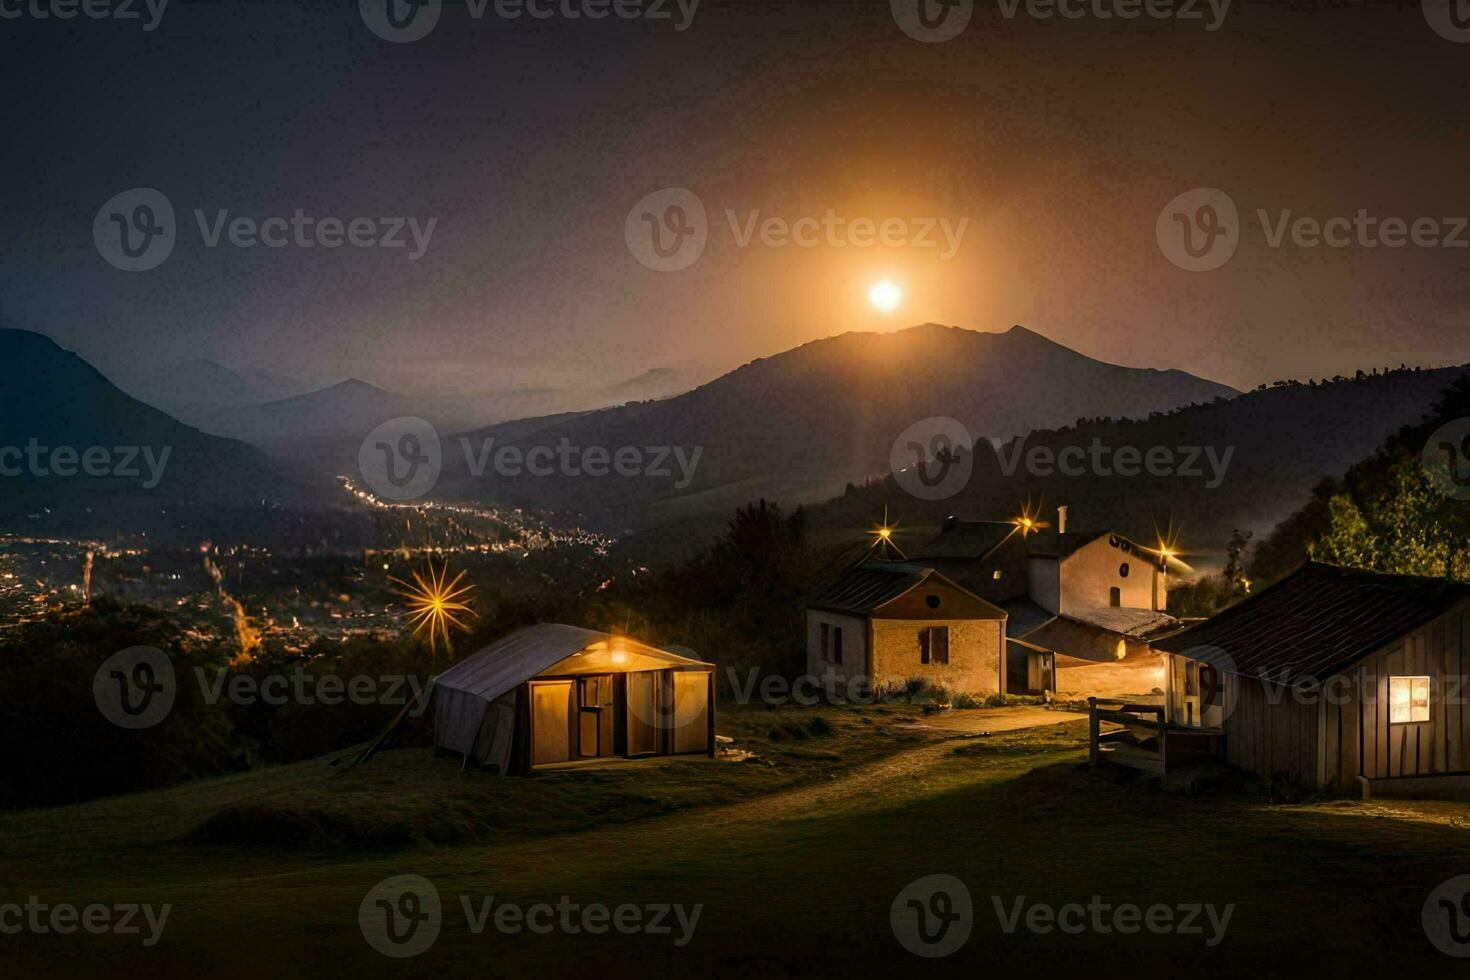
(800, 883)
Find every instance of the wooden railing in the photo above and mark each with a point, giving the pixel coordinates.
(1137, 719)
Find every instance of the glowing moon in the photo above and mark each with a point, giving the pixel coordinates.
(884, 296)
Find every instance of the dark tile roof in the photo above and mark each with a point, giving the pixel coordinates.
(967, 539)
(865, 587)
(1023, 615)
(1317, 621)
(1047, 543)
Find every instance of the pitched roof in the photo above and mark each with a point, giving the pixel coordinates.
(1317, 621)
(868, 585)
(967, 539)
(531, 650)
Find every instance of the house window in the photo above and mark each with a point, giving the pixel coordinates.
(932, 601)
(1408, 699)
(995, 575)
(826, 641)
(1115, 596)
(1123, 570)
(837, 644)
(934, 645)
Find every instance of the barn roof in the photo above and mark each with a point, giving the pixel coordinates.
(499, 667)
(866, 586)
(1317, 621)
(967, 539)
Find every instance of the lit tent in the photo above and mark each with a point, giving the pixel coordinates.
(550, 694)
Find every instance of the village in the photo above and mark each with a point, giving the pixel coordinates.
(1332, 680)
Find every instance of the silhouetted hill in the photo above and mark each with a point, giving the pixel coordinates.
(801, 424)
(1280, 442)
(72, 443)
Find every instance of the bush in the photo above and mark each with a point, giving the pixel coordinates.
(819, 726)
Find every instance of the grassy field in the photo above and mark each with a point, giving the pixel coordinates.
(795, 860)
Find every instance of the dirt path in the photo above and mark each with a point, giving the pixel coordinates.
(908, 764)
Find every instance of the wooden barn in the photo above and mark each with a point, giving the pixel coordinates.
(1330, 675)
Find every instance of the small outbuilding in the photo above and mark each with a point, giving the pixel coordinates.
(552, 695)
(1334, 677)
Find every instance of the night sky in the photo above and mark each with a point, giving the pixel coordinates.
(529, 141)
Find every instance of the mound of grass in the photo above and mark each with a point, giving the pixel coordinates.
(256, 826)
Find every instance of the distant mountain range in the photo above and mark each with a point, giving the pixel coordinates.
(287, 418)
(800, 425)
(72, 442)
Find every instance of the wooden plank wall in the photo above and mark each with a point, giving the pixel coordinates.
(1269, 738)
(1357, 736)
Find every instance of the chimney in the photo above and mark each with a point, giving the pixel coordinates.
(1062, 519)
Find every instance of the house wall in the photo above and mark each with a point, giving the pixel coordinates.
(1269, 732)
(1044, 583)
(1355, 735)
(1091, 571)
(975, 654)
(854, 648)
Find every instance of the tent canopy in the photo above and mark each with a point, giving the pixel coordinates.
(553, 648)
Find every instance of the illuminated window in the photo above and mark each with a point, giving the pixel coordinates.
(995, 575)
(1408, 699)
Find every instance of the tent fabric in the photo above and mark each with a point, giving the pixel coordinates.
(475, 700)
